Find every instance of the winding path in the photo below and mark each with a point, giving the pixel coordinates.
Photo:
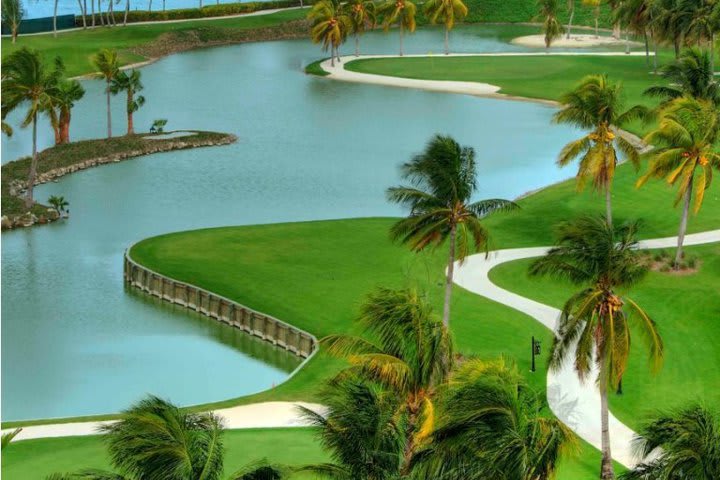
(576, 403)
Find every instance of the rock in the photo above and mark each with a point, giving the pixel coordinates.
(52, 214)
(5, 222)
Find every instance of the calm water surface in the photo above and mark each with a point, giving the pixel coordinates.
(75, 342)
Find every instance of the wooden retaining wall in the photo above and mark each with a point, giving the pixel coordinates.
(220, 308)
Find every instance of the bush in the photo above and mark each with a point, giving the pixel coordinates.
(208, 11)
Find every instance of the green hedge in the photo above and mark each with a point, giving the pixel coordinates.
(207, 11)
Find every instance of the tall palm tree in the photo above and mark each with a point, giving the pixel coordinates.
(362, 16)
(12, 13)
(594, 326)
(330, 26)
(108, 65)
(410, 356)
(690, 75)
(571, 9)
(671, 19)
(704, 25)
(595, 5)
(685, 153)
(443, 182)
(597, 104)
(685, 445)
(68, 92)
(402, 13)
(636, 16)
(27, 79)
(361, 430)
(448, 11)
(551, 26)
(491, 425)
(156, 440)
(130, 83)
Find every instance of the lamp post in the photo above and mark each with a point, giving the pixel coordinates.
(534, 350)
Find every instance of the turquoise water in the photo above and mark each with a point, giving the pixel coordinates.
(75, 342)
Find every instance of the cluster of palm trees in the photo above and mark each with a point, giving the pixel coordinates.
(29, 80)
(333, 21)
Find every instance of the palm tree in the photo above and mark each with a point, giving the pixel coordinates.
(401, 12)
(131, 84)
(685, 153)
(551, 26)
(443, 181)
(411, 356)
(595, 5)
(12, 13)
(68, 92)
(27, 79)
(448, 11)
(636, 15)
(106, 61)
(704, 25)
(361, 430)
(671, 19)
(571, 9)
(690, 75)
(362, 16)
(330, 26)
(491, 425)
(156, 440)
(58, 203)
(683, 444)
(594, 326)
(597, 104)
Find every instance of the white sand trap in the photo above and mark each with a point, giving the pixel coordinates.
(575, 41)
(165, 136)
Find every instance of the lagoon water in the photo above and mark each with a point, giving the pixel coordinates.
(75, 342)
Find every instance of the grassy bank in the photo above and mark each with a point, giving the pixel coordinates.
(33, 459)
(60, 160)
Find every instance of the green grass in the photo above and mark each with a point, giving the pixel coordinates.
(76, 48)
(34, 459)
(686, 308)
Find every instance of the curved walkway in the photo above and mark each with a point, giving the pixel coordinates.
(338, 72)
(576, 403)
(254, 415)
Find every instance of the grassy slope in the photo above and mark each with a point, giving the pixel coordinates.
(77, 47)
(33, 459)
(686, 309)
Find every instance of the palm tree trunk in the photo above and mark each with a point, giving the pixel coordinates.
(65, 126)
(606, 466)
(449, 278)
(55, 19)
(82, 14)
(109, 115)
(655, 57)
(447, 41)
(627, 42)
(357, 44)
(402, 28)
(712, 57)
(647, 48)
(410, 435)
(127, 10)
(130, 129)
(33, 166)
(683, 224)
(616, 31)
(332, 56)
(597, 28)
(570, 20)
(100, 13)
(14, 33)
(608, 204)
(92, 12)
(111, 12)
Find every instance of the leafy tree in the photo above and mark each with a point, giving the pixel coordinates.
(330, 26)
(362, 16)
(106, 61)
(448, 11)
(684, 153)
(12, 13)
(361, 430)
(491, 425)
(130, 83)
(26, 79)
(402, 13)
(155, 440)
(411, 355)
(690, 75)
(597, 104)
(58, 203)
(443, 182)
(681, 444)
(594, 329)
(551, 26)
(158, 125)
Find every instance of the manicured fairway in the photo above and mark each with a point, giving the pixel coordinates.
(35, 459)
(77, 47)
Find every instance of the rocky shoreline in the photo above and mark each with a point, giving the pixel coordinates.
(14, 185)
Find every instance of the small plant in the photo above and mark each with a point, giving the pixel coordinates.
(158, 125)
(58, 203)
(8, 437)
